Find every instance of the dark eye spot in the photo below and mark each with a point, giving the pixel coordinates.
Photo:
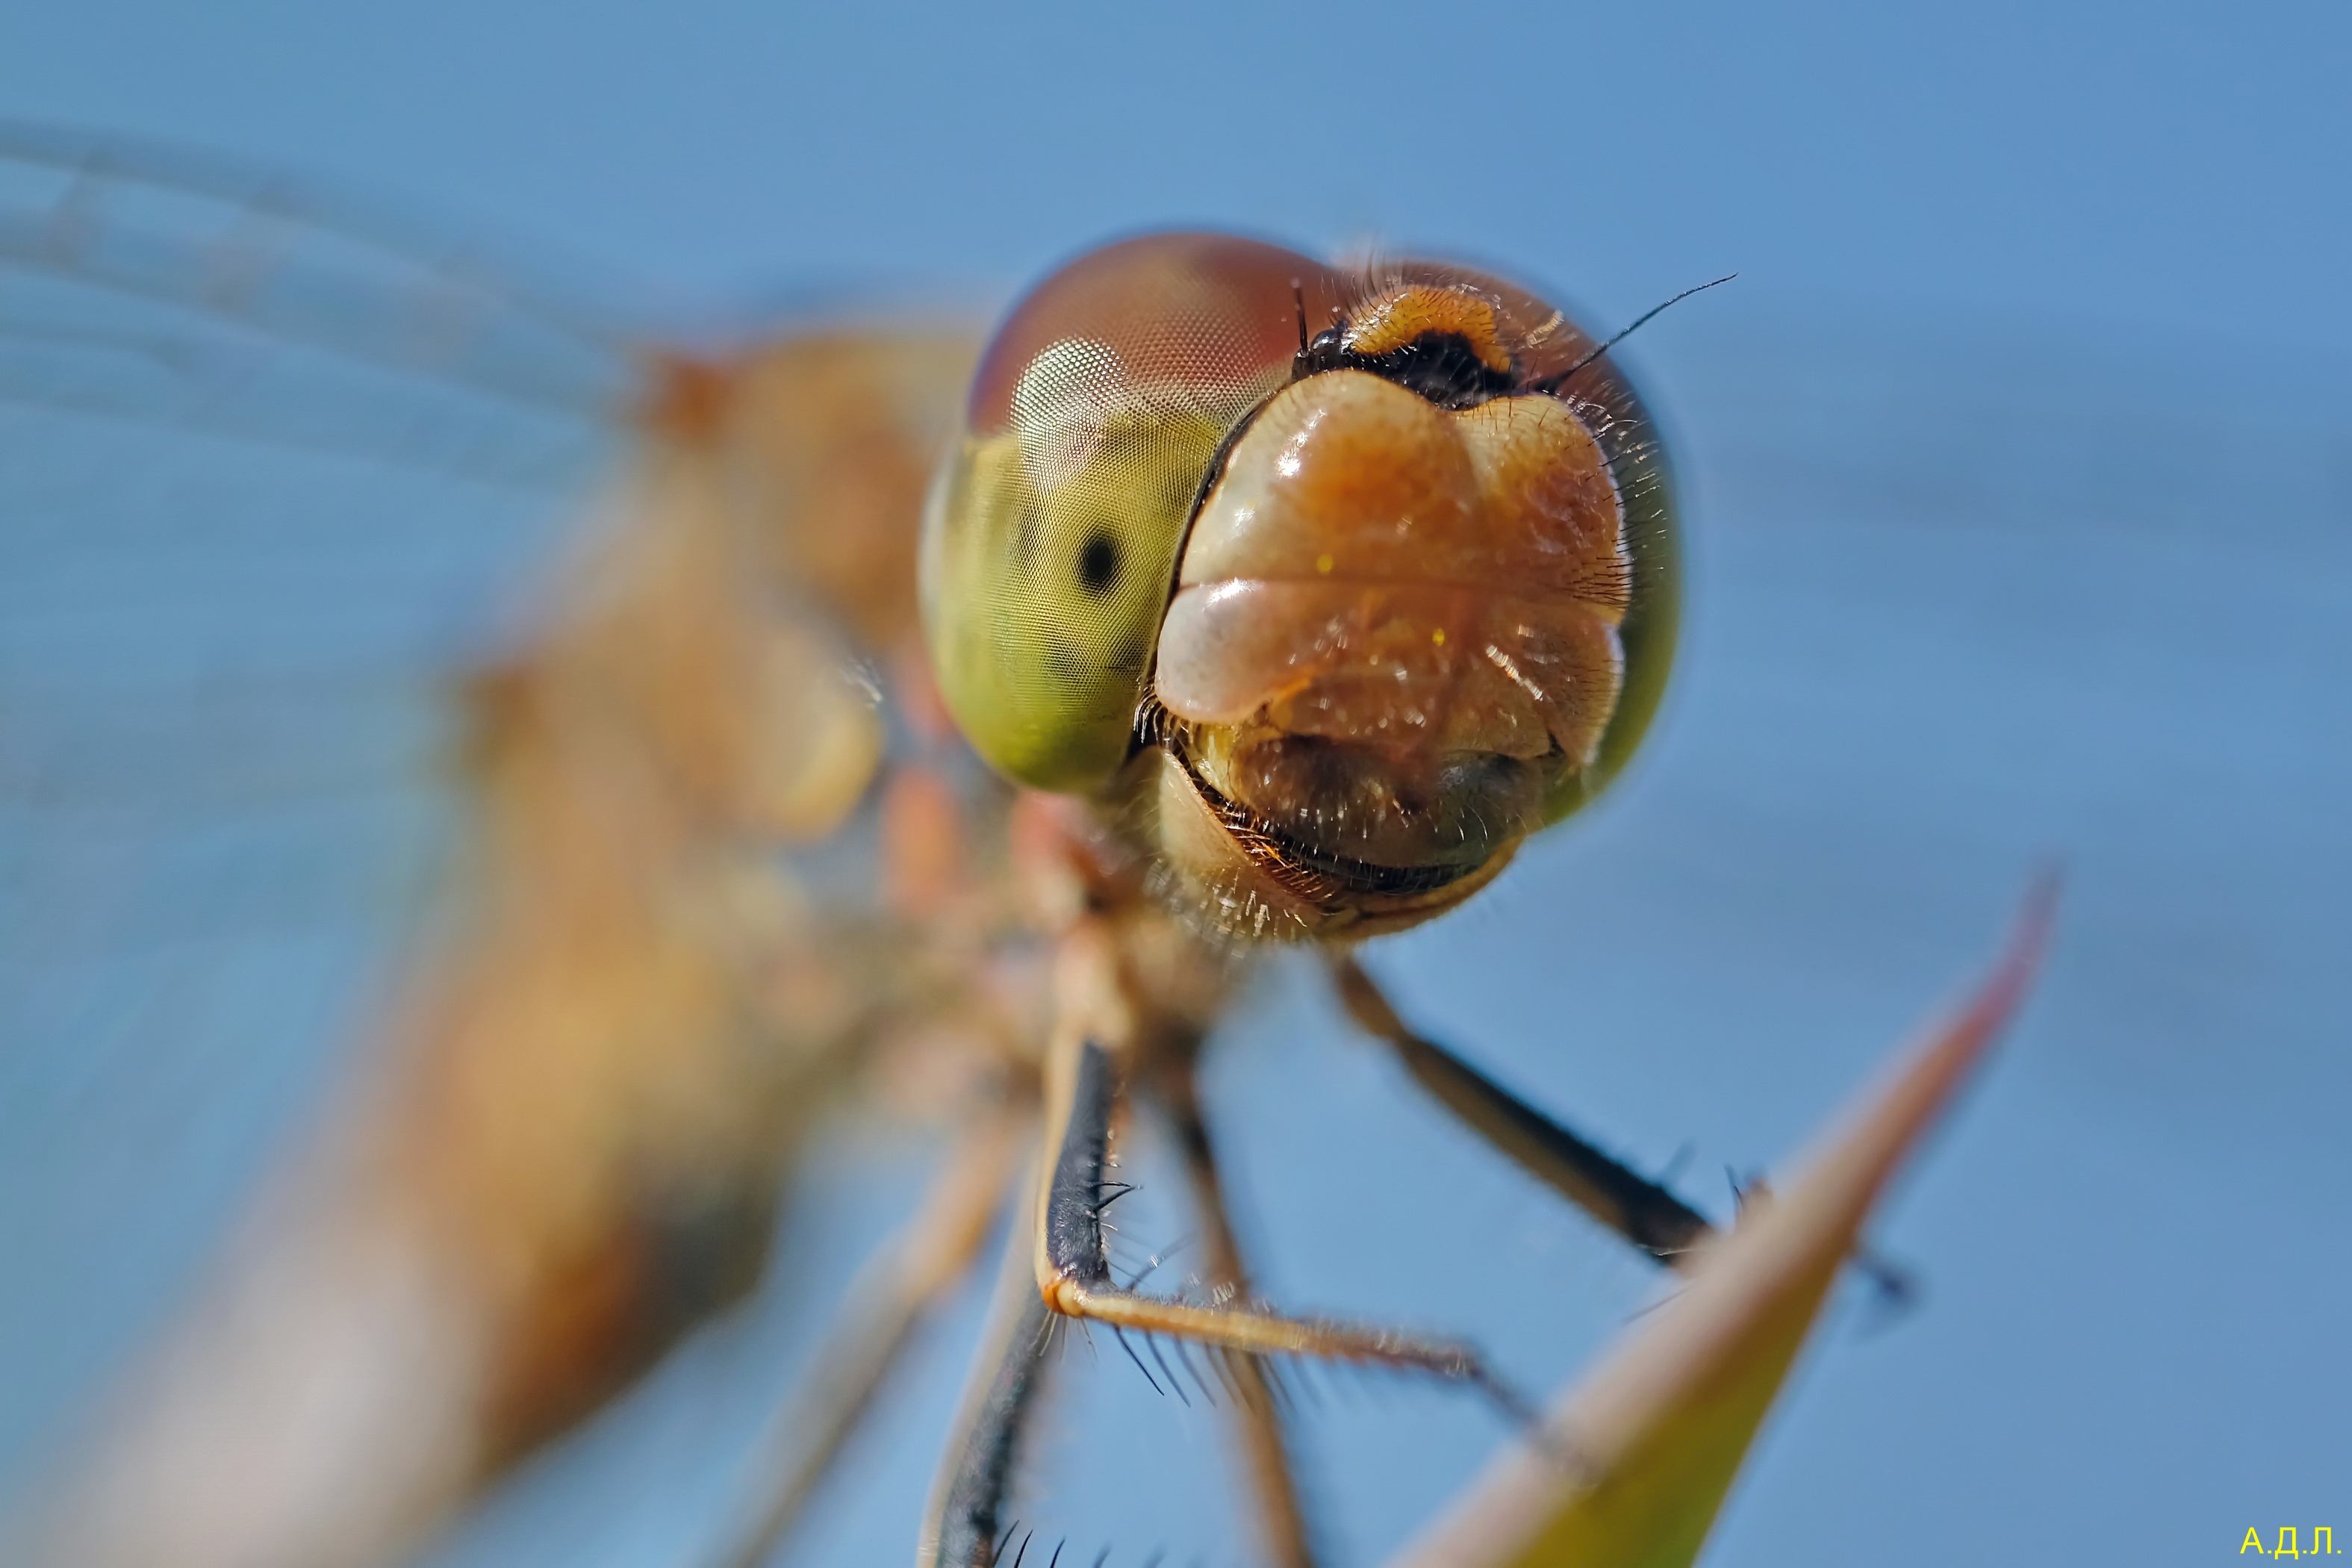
(1098, 563)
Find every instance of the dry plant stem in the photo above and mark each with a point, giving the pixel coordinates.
(1640, 1210)
(878, 1316)
(1256, 1420)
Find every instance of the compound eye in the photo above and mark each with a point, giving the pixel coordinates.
(1050, 549)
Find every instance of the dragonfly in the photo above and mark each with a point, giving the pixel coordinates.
(916, 719)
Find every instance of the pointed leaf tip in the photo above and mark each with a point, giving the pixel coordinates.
(1639, 1456)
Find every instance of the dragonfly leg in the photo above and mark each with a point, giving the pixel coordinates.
(883, 1306)
(1257, 1420)
(1642, 1211)
(966, 1509)
(1073, 1274)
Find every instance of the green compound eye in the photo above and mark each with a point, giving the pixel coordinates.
(1049, 551)
(1044, 585)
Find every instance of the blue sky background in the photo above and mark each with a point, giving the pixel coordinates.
(2019, 472)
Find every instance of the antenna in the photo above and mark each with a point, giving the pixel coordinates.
(1554, 382)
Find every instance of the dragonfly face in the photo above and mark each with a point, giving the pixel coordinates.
(1335, 586)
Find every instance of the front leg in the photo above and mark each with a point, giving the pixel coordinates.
(1074, 1278)
(1644, 1213)
(1073, 1274)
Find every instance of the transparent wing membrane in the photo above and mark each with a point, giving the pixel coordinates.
(252, 242)
(159, 285)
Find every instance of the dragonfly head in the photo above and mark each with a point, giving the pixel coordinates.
(1342, 586)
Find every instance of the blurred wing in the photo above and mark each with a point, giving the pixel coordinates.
(291, 761)
(159, 285)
